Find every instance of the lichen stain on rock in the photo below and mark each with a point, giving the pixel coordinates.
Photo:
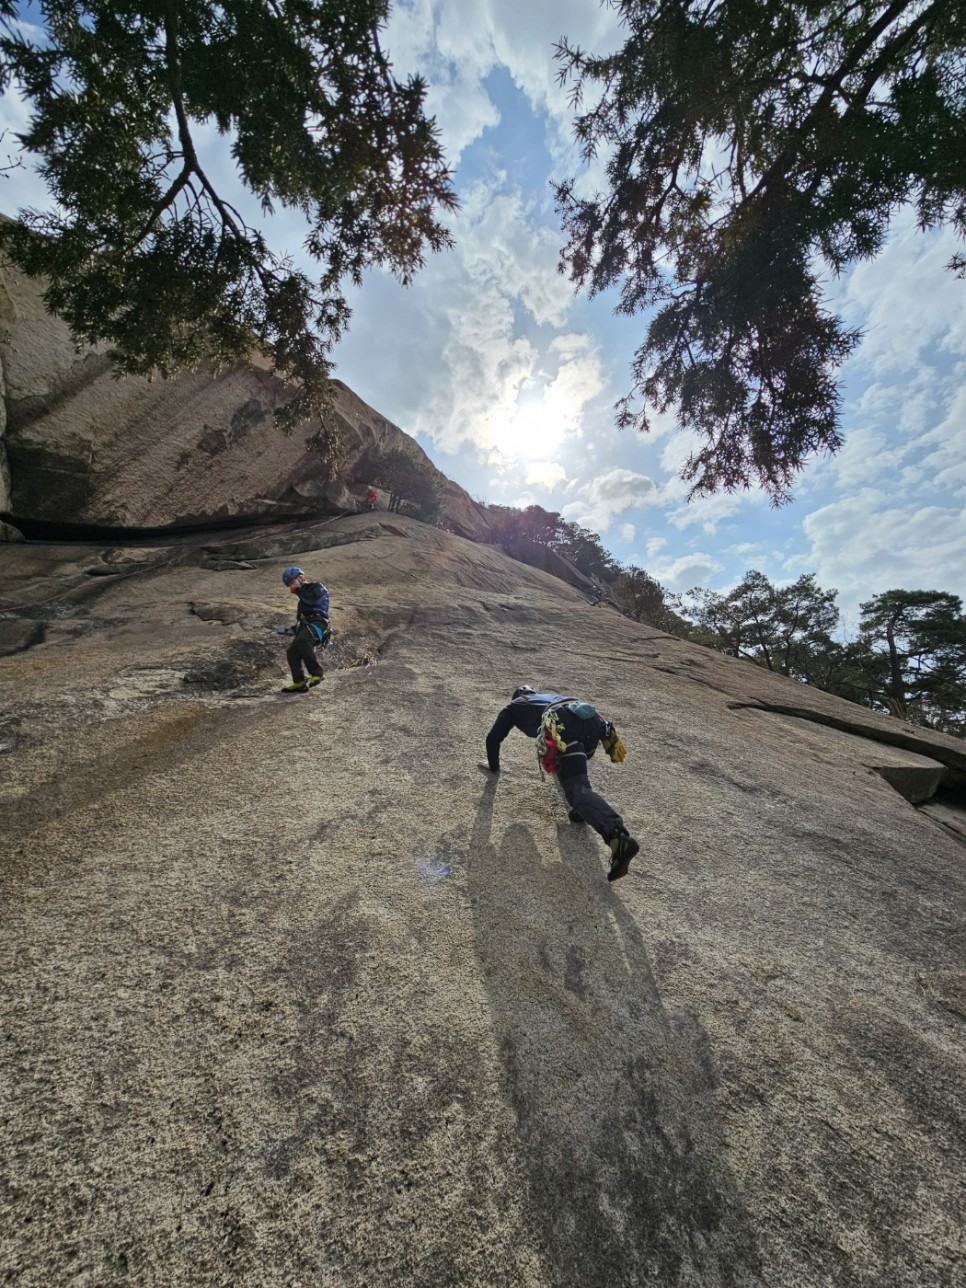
(212, 440)
(251, 414)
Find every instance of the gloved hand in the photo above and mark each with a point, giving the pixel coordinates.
(613, 746)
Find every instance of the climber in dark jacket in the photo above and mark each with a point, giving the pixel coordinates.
(579, 732)
(311, 630)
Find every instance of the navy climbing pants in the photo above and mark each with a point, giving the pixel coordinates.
(582, 738)
(301, 652)
(591, 806)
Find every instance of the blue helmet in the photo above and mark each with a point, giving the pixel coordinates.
(289, 575)
(522, 692)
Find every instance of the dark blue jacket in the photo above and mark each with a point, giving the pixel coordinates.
(524, 713)
(313, 603)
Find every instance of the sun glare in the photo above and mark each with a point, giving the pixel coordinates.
(535, 428)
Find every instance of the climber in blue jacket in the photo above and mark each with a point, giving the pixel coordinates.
(568, 732)
(311, 630)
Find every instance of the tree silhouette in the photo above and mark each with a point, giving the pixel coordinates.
(748, 149)
(143, 247)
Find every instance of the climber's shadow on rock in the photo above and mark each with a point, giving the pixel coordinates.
(613, 1097)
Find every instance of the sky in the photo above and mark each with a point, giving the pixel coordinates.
(508, 379)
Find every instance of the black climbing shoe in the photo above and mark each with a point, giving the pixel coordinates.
(575, 817)
(623, 847)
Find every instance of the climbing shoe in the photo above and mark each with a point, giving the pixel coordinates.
(297, 686)
(575, 817)
(313, 680)
(623, 847)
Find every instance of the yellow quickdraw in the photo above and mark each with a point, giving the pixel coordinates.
(614, 747)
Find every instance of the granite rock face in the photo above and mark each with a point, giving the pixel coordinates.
(295, 993)
(83, 447)
(542, 557)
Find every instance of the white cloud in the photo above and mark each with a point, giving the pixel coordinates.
(628, 532)
(545, 474)
(945, 462)
(662, 424)
(21, 188)
(499, 241)
(873, 541)
(909, 436)
(466, 108)
(695, 569)
(868, 456)
(610, 494)
(456, 96)
(907, 301)
(480, 367)
(457, 47)
(708, 512)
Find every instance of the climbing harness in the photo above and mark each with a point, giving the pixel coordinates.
(322, 634)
